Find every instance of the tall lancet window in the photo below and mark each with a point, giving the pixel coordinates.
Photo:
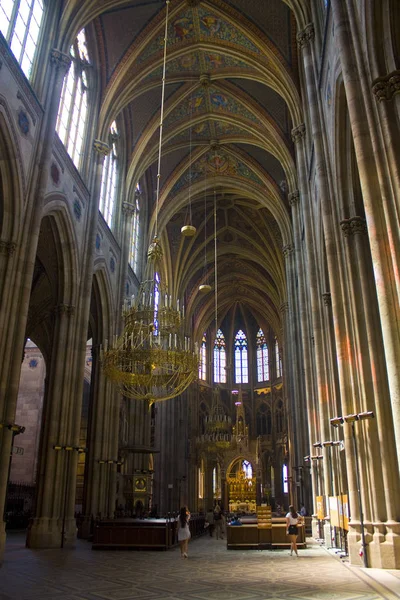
(20, 22)
(278, 359)
(203, 359)
(219, 358)
(241, 362)
(73, 109)
(262, 357)
(109, 178)
(247, 469)
(134, 243)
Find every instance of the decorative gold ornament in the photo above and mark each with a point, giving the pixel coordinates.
(188, 230)
(204, 288)
(152, 360)
(218, 428)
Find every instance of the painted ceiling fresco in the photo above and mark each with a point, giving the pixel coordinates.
(231, 100)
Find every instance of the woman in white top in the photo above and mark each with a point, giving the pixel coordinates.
(293, 520)
(183, 530)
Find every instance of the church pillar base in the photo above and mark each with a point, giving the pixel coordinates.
(384, 550)
(46, 533)
(383, 545)
(315, 528)
(327, 534)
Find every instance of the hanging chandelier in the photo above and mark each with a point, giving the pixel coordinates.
(152, 359)
(218, 428)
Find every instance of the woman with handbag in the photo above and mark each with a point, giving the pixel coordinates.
(293, 520)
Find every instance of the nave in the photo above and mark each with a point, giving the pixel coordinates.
(210, 573)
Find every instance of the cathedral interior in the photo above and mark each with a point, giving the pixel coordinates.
(200, 265)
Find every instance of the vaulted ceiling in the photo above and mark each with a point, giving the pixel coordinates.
(231, 100)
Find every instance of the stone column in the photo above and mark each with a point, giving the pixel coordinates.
(56, 468)
(128, 211)
(379, 479)
(102, 446)
(14, 297)
(380, 206)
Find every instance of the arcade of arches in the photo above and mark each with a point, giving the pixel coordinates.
(284, 115)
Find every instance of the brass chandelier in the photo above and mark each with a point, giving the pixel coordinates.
(152, 359)
(218, 428)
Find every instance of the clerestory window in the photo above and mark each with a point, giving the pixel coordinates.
(219, 358)
(241, 362)
(73, 110)
(20, 22)
(262, 357)
(203, 359)
(109, 178)
(134, 242)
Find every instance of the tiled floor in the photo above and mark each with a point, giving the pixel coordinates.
(210, 573)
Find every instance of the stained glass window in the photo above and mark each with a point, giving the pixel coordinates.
(262, 357)
(241, 362)
(203, 359)
(73, 109)
(156, 301)
(134, 245)
(278, 359)
(219, 358)
(285, 479)
(109, 178)
(20, 22)
(247, 469)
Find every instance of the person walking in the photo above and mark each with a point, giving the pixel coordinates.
(210, 521)
(293, 520)
(184, 531)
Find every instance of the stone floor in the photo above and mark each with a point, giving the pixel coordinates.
(210, 573)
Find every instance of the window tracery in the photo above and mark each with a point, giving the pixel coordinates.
(73, 109)
(20, 22)
(203, 359)
(219, 358)
(262, 357)
(134, 242)
(278, 360)
(241, 362)
(109, 178)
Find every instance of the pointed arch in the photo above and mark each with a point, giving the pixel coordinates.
(219, 358)
(241, 358)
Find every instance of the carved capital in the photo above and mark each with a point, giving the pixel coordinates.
(326, 297)
(288, 250)
(7, 248)
(128, 208)
(345, 226)
(353, 225)
(101, 147)
(61, 60)
(385, 87)
(64, 309)
(294, 198)
(299, 132)
(306, 36)
(358, 225)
